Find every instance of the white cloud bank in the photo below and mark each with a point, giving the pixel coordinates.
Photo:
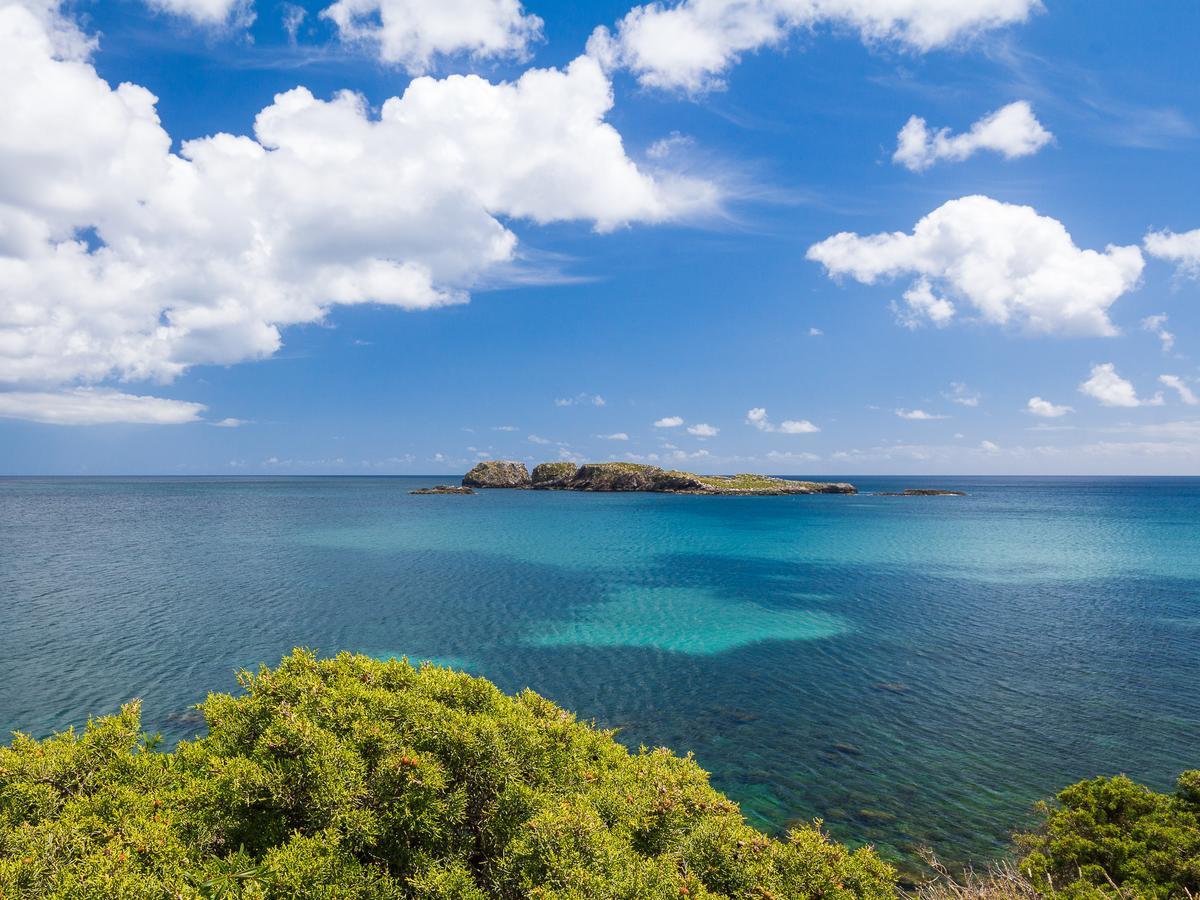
(1012, 131)
(1011, 265)
(758, 418)
(689, 45)
(1045, 409)
(1106, 386)
(120, 259)
(1181, 249)
(410, 33)
(95, 406)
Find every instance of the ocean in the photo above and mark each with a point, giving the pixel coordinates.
(915, 671)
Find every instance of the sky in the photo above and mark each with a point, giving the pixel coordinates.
(820, 237)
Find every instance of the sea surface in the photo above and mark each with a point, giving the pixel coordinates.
(915, 671)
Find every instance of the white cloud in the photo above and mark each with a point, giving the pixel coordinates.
(411, 33)
(989, 446)
(615, 436)
(962, 395)
(207, 12)
(1157, 325)
(96, 406)
(505, 428)
(1011, 131)
(581, 399)
(1181, 388)
(1111, 389)
(293, 18)
(1181, 249)
(669, 422)
(758, 418)
(229, 422)
(537, 439)
(690, 44)
(815, 332)
(703, 430)
(1013, 266)
(1045, 409)
(120, 259)
(918, 415)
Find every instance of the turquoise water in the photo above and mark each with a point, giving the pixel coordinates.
(916, 671)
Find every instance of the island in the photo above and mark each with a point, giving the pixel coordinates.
(444, 489)
(624, 476)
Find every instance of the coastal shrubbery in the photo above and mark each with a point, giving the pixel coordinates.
(354, 778)
(1111, 837)
(350, 777)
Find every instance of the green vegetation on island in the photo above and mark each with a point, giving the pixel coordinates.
(355, 778)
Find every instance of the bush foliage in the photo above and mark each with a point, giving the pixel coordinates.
(354, 778)
(1111, 837)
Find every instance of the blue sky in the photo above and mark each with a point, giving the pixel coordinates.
(505, 266)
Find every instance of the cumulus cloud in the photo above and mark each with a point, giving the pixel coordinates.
(615, 436)
(759, 419)
(918, 415)
(1011, 265)
(96, 406)
(1045, 409)
(1157, 325)
(1178, 385)
(411, 33)
(1012, 131)
(702, 429)
(669, 422)
(1181, 249)
(1108, 387)
(120, 259)
(690, 44)
(207, 12)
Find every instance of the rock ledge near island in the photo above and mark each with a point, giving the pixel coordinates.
(623, 476)
(921, 492)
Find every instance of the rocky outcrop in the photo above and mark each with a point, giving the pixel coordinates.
(443, 489)
(921, 492)
(553, 474)
(498, 473)
(630, 477)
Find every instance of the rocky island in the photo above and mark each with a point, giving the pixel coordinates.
(623, 476)
(444, 489)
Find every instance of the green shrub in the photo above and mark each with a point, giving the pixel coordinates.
(354, 778)
(1111, 837)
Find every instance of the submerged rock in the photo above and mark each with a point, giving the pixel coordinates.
(443, 489)
(497, 473)
(921, 492)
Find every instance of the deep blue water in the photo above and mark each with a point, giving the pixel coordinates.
(917, 671)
